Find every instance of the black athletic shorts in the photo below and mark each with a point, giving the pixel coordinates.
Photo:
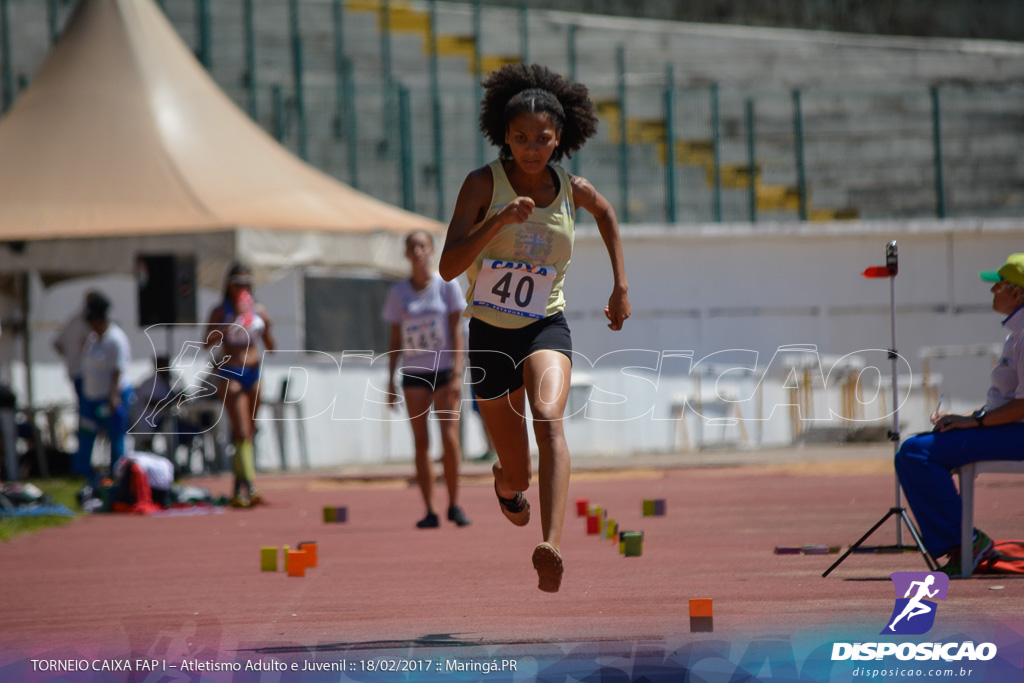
(426, 380)
(496, 354)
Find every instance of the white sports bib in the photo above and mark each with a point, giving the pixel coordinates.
(516, 288)
(424, 333)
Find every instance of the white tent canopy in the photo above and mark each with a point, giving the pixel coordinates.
(124, 144)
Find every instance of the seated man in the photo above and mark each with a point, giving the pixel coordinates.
(925, 462)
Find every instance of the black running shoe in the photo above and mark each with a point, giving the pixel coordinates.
(428, 522)
(516, 510)
(455, 514)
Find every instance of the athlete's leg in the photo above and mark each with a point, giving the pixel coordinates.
(547, 377)
(447, 402)
(238, 404)
(504, 418)
(417, 400)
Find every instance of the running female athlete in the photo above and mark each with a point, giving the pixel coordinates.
(240, 324)
(512, 234)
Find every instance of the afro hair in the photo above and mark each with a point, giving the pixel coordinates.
(517, 88)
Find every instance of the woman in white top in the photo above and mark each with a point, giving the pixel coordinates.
(425, 315)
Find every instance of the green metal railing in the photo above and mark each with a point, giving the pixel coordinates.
(386, 110)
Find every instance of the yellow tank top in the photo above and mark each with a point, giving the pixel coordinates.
(517, 278)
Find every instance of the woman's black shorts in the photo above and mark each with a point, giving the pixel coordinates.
(426, 380)
(496, 354)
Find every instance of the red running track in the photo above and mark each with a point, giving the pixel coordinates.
(106, 585)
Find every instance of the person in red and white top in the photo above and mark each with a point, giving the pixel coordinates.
(241, 325)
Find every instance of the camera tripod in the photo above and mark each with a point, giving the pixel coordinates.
(889, 270)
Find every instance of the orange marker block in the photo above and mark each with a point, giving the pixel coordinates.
(296, 563)
(701, 618)
(701, 607)
(310, 549)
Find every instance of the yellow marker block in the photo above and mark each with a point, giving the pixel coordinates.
(648, 507)
(611, 529)
(328, 514)
(268, 559)
(285, 555)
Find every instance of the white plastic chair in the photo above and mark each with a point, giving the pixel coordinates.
(967, 475)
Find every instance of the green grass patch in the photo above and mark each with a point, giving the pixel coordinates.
(62, 491)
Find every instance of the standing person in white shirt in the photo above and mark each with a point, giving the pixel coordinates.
(425, 314)
(107, 391)
(70, 342)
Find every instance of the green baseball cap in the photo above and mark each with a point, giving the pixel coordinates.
(1012, 271)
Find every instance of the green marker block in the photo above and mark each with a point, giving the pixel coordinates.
(328, 515)
(286, 549)
(268, 559)
(648, 510)
(634, 544)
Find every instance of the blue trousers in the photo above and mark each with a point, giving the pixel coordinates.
(924, 465)
(96, 416)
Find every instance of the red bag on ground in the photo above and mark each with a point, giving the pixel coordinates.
(1010, 559)
(140, 492)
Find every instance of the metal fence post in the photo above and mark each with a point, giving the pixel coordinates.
(524, 34)
(620, 61)
(670, 145)
(338, 27)
(250, 59)
(277, 106)
(435, 101)
(297, 77)
(571, 47)
(345, 119)
(478, 92)
(940, 185)
(7, 77)
(203, 28)
(351, 125)
(386, 74)
(751, 161)
(716, 148)
(52, 18)
(798, 144)
(405, 144)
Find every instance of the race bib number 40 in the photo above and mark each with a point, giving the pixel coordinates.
(516, 288)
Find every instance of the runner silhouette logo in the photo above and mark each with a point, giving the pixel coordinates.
(916, 593)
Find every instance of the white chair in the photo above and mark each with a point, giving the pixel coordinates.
(967, 475)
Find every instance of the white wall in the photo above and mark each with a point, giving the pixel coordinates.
(703, 289)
